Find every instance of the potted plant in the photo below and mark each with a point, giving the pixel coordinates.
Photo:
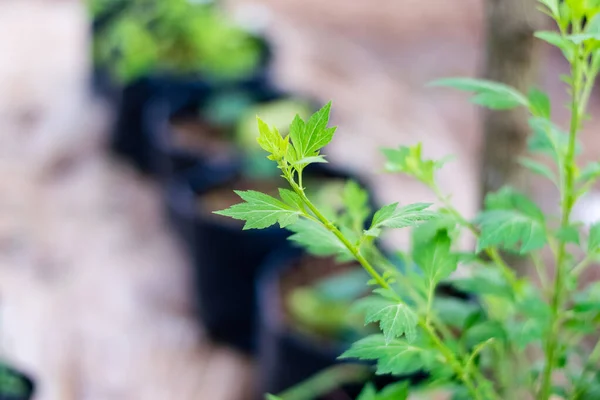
(184, 52)
(534, 342)
(14, 385)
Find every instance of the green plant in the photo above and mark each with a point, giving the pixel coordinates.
(176, 36)
(529, 339)
(10, 384)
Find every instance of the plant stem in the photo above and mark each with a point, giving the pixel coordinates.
(333, 229)
(327, 381)
(579, 268)
(429, 303)
(568, 200)
(454, 363)
(444, 350)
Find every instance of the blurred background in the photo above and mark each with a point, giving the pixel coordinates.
(123, 123)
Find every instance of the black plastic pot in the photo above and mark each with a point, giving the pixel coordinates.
(286, 357)
(28, 386)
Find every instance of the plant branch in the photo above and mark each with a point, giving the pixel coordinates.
(567, 202)
(462, 373)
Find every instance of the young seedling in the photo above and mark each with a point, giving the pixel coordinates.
(528, 340)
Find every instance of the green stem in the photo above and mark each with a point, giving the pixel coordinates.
(326, 382)
(333, 229)
(442, 348)
(429, 303)
(579, 268)
(541, 272)
(568, 200)
(462, 373)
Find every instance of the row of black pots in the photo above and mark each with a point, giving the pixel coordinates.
(131, 134)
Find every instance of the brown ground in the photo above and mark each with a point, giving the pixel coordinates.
(93, 287)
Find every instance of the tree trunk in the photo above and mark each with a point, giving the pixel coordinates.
(512, 58)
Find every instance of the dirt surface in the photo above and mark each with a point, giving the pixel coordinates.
(93, 288)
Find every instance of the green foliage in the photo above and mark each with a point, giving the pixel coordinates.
(409, 160)
(522, 332)
(177, 36)
(488, 94)
(391, 216)
(511, 221)
(310, 136)
(262, 211)
(395, 318)
(435, 258)
(396, 357)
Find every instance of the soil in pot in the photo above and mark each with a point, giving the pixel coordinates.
(205, 140)
(14, 385)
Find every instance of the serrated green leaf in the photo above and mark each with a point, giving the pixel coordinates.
(395, 318)
(309, 137)
(590, 172)
(539, 103)
(487, 93)
(511, 221)
(398, 357)
(594, 239)
(391, 216)
(317, 240)
(435, 258)
(261, 211)
(554, 38)
(509, 228)
(538, 168)
(410, 161)
(269, 139)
